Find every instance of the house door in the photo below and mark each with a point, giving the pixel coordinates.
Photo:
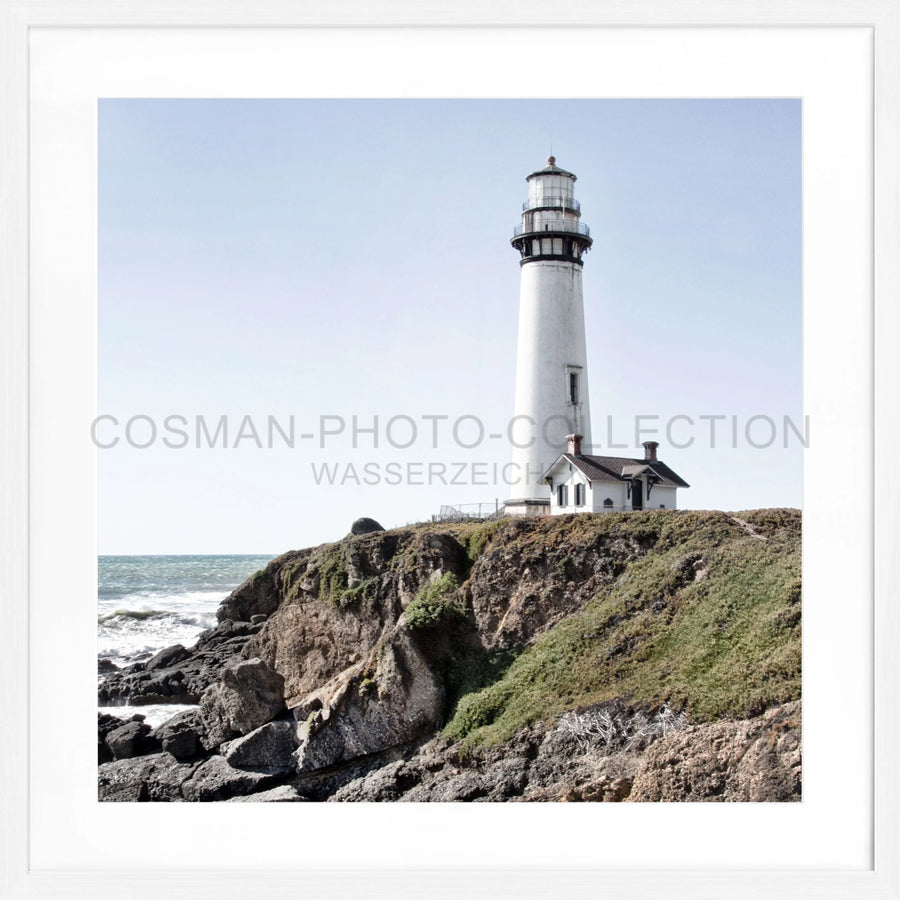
(637, 494)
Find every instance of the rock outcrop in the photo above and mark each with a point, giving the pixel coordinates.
(176, 675)
(554, 579)
(551, 764)
(332, 672)
(340, 602)
(754, 760)
(400, 701)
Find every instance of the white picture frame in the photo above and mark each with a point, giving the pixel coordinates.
(18, 878)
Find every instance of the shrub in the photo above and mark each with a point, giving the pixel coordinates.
(365, 593)
(476, 540)
(434, 604)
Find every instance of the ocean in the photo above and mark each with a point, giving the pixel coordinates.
(146, 603)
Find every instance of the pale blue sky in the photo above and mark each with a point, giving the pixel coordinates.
(345, 257)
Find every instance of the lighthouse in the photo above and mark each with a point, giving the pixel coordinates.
(551, 398)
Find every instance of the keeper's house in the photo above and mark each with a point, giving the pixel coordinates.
(581, 483)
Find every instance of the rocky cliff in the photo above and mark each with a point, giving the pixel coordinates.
(641, 656)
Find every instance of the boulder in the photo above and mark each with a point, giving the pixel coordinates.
(402, 701)
(167, 658)
(105, 724)
(267, 749)
(131, 739)
(365, 526)
(386, 784)
(283, 794)
(182, 735)
(147, 778)
(215, 779)
(249, 695)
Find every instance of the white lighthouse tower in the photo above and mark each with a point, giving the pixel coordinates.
(551, 369)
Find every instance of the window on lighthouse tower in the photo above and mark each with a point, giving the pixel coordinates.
(573, 387)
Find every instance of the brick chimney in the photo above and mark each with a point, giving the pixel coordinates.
(575, 443)
(650, 450)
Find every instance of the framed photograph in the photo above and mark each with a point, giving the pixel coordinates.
(113, 115)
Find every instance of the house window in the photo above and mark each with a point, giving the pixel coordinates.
(607, 503)
(579, 495)
(562, 495)
(662, 505)
(573, 387)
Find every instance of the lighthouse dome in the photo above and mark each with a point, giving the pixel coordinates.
(551, 169)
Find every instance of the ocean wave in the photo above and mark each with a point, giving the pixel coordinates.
(133, 614)
(160, 597)
(201, 620)
(129, 635)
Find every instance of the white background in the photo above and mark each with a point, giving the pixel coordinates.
(829, 68)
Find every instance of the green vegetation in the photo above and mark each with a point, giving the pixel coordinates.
(708, 622)
(470, 668)
(366, 592)
(435, 603)
(476, 537)
(333, 563)
(292, 574)
(333, 579)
